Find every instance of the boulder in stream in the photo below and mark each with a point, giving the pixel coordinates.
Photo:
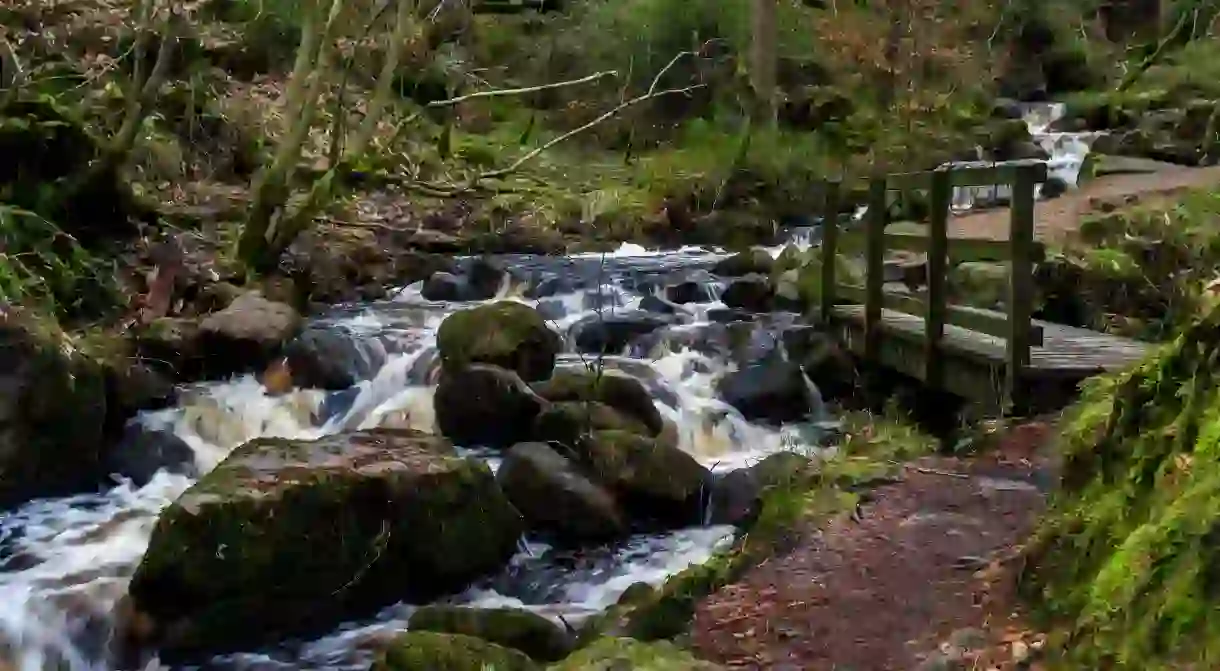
(621, 392)
(737, 495)
(52, 412)
(333, 359)
(290, 537)
(506, 334)
(612, 333)
(247, 335)
(485, 405)
(570, 422)
(431, 651)
(556, 498)
(514, 628)
(772, 390)
(142, 451)
(754, 293)
(653, 481)
(754, 261)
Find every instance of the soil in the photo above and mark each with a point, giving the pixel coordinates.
(1057, 218)
(921, 576)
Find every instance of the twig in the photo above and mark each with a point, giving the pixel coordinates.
(931, 471)
(502, 172)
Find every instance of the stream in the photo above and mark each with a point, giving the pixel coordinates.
(65, 562)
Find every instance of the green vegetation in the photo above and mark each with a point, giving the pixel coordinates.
(1124, 563)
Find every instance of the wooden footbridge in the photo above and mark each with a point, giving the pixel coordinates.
(999, 360)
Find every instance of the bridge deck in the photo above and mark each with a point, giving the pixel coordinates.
(1066, 351)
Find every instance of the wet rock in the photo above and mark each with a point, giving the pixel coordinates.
(430, 651)
(514, 628)
(1007, 108)
(729, 315)
(291, 537)
(658, 305)
(444, 286)
(361, 269)
(772, 390)
(247, 335)
(652, 481)
(619, 391)
(688, 292)
(737, 495)
(485, 405)
(172, 346)
(611, 334)
(627, 653)
(568, 423)
(132, 388)
(755, 261)
(52, 413)
(823, 359)
(330, 358)
(506, 334)
(753, 293)
(550, 287)
(555, 498)
(552, 309)
(1053, 187)
(142, 451)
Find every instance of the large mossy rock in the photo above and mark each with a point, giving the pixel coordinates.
(505, 334)
(1125, 560)
(557, 499)
(485, 405)
(288, 537)
(514, 628)
(52, 413)
(247, 334)
(569, 422)
(430, 651)
(612, 654)
(651, 479)
(621, 392)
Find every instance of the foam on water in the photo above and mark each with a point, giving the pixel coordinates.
(65, 562)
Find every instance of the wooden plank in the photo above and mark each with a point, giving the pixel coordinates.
(976, 319)
(874, 256)
(961, 250)
(937, 303)
(1021, 283)
(1000, 173)
(829, 252)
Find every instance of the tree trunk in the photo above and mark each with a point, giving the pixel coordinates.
(763, 59)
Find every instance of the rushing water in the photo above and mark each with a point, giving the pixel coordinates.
(65, 562)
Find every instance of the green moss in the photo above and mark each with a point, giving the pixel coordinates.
(1125, 561)
(613, 654)
(513, 628)
(621, 392)
(428, 651)
(506, 334)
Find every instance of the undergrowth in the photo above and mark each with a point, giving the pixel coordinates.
(1124, 563)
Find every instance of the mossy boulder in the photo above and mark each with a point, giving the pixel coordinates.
(753, 293)
(612, 654)
(514, 628)
(652, 480)
(292, 537)
(979, 284)
(754, 261)
(52, 413)
(430, 651)
(485, 405)
(1124, 563)
(621, 392)
(506, 334)
(569, 422)
(556, 498)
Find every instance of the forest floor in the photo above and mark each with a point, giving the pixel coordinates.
(921, 576)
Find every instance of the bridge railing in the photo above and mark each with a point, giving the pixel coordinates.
(1020, 252)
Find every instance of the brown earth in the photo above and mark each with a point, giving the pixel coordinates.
(924, 566)
(1059, 217)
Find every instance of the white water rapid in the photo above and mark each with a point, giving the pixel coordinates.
(64, 562)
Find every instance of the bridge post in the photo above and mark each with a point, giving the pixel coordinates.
(1021, 282)
(830, 237)
(937, 276)
(874, 277)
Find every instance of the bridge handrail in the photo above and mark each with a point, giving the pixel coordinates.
(1021, 251)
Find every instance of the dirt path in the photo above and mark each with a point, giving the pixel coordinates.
(916, 579)
(1057, 217)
